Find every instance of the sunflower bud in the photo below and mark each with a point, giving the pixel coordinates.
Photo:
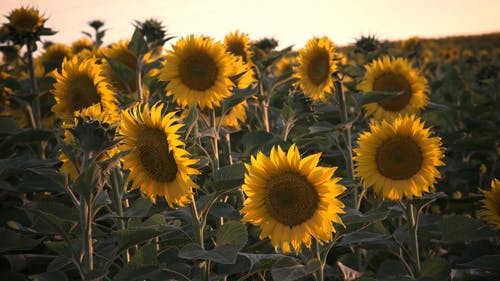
(92, 135)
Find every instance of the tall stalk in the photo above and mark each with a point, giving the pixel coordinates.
(35, 104)
(347, 136)
(138, 79)
(199, 235)
(413, 220)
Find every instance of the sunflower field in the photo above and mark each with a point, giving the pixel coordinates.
(229, 160)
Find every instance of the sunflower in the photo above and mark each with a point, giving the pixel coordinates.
(398, 158)
(81, 44)
(491, 204)
(291, 198)
(158, 164)
(237, 114)
(53, 56)
(92, 113)
(198, 72)
(119, 52)
(25, 20)
(315, 69)
(285, 65)
(394, 74)
(238, 44)
(80, 85)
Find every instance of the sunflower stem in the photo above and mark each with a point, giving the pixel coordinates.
(35, 104)
(117, 202)
(215, 144)
(347, 136)
(413, 220)
(138, 79)
(86, 224)
(199, 235)
(316, 250)
(265, 101)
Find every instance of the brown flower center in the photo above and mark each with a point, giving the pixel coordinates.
(198, 71)
(25, 21)
(155, 156)
(399, 158)
(82, 93)
(291, 199)
(393, 82)
(238, 49)
(318, 68)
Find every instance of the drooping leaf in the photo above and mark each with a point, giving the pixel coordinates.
(137, 44)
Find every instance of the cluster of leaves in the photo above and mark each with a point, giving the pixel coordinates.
(41, 228)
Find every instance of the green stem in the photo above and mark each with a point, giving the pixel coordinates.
(86, 224)
(412, 219)
(347, 136)
(35, 104)
(118, 206)
(138, 79)
(199, 235)
(316, 250)
(215, 143)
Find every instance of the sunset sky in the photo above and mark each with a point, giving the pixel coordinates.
(288, 21)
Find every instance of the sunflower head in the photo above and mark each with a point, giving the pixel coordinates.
(238, 44)
(53, 56)
(79, 85)
(26, 20)
(399, 158)
(285, 65)
(491, 204)
(198, 72)
(119, 52)
(315, 69)
(158, 163)
(81, 44)
(394, 75)
(291, 198)
(93, 130)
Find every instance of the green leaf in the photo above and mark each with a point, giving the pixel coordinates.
(458, 228)
(224, 210)
(486, 262)
(377, 96)
(129, 237)
(353, 71)
(288, 269)
(132, 274)
(89, 181)
(238, 97)
(8, 125)
(13, 241)
(261, 260)
(60, 247)
(146, 256)
(232, 232)
(50, 276)
(354, 216)
(274, 56)
(137, 44)
(229, 177)
(123, 72)
(27, 136)
(437, 268)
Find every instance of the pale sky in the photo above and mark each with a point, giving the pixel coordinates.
(291, 22)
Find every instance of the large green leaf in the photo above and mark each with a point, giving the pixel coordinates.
(458, 228)
(137, 44)
(233, 233)
(486, 262)
(289, 269)
(230, 238)
(437, 268)
(13, 241)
